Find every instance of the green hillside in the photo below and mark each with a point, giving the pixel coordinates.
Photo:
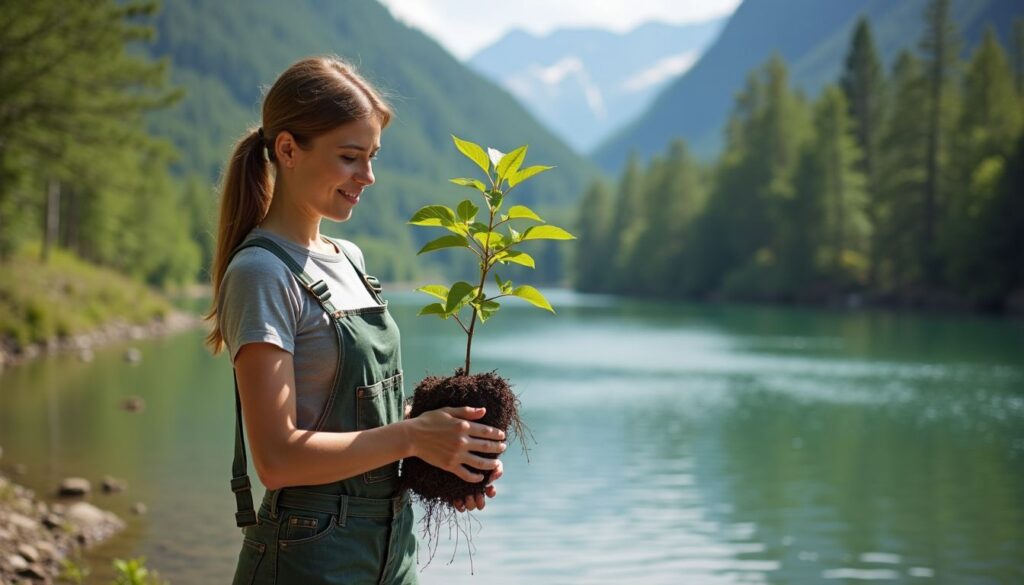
(223, 53)
(810, 35)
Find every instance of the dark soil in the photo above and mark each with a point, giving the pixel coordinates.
(434, 485)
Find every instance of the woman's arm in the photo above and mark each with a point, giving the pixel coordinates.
(285, 455)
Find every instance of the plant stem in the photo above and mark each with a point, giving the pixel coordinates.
(485, 267)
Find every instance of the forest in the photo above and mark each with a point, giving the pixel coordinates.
(899, 187)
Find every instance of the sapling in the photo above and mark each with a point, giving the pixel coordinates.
(490, 233)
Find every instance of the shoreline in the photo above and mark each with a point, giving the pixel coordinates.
(116, 330)
(37, 536)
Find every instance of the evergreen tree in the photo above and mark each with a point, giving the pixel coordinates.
(902, 179)
(990, 123)
(594, 246)
(862, 82)
(845, 224)
(940, 47)
(626, 226)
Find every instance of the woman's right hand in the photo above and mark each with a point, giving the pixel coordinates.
(445, 438)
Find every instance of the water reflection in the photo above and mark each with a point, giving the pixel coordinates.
(673, 443)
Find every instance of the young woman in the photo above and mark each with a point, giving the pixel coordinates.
(318, 373)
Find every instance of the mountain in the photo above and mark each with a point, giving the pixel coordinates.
(225, 53)
(586, 83)
(812, 36)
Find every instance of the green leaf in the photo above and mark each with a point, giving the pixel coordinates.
(467, 211)
(433, 215)
(477, 227)
(491, 240)
(457, 296)
(516, 236)
(485, 309)
(532, 296)
(494, 198)
(433, 309)
(509, 164)
(444, 242)
(495, 156)
(470, 183)
(438, 291)
(526, 174)
(473, 152)
(522, 212)
(546, 232)
(517, 257)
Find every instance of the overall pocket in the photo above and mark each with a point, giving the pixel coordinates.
(377, 405)
(248, 561)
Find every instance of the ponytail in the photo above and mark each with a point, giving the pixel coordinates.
(244, 202)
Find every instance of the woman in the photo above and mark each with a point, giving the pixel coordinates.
(316, 355)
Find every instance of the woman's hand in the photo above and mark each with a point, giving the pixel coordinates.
(446, 438)
(477, 501)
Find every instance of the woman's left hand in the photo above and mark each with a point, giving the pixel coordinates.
(477, 502)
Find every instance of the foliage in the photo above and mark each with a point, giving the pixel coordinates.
(35, 298)
(900, 185)
(491, 246)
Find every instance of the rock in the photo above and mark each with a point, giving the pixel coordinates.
(48, 550)
(21, 521)
(95, 524)
(5, 535)
(52, 521)
(34, 571)
(136, 332)
(16, 563)
(74, 486)
(139, 509)
(133, 355)
(85, 355)
(29, 553)
(133, 404)
(112, 484)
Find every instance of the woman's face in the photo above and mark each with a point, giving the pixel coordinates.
(329, 176)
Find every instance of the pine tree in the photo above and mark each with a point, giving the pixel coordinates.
(593, 251)
(940, 46)
(626, 226)
(902, 179)
(863, 84)
(846, 226)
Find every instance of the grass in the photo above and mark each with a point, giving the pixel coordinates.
(67, 296)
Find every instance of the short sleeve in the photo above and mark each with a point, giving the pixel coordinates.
(258, 302)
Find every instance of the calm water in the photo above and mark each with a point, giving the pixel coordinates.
(673, 443)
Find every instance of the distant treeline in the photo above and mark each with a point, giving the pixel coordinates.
(78, 169)
(904, 186)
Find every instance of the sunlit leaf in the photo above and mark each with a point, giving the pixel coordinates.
(495, 156)
(473, 152)
(509, 164)
(532, 296)
(546, 232)
(453, 241)
(526, 174)
(438, 291)
(522, 212)
(433, 309)
(470, 183)
(433, 215)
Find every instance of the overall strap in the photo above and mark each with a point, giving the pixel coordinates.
(240, 484)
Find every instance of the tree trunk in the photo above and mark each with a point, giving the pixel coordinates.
(52, 228)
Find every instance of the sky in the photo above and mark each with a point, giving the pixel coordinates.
(466, 26)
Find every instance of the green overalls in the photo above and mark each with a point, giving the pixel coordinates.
(353, 531)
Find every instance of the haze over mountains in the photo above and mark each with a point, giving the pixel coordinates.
(812, 36)
(585, 83)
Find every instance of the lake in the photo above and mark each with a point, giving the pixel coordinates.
(670, 443)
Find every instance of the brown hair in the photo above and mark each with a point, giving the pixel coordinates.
(311, 98)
